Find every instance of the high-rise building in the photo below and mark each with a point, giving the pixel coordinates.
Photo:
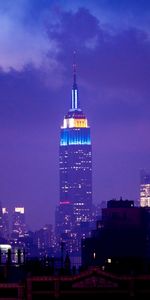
(5, 222)
(43, 239)
(18, 223)
(73, 214)
(1, 221)
(144, 189)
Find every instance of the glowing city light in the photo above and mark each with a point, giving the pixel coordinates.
(19, 210)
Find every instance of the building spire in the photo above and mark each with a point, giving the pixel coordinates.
(74, 70)
(74, 98)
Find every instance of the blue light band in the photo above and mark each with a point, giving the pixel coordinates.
(74, 136)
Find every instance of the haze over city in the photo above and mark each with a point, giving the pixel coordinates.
(37, 39)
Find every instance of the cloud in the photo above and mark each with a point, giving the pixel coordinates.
(113, 70)
(114, 61)
(116, 15)
(21, 42)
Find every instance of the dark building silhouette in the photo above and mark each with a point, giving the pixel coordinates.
(35, 281)
(75, 169)
(120, 203)
(121, 236)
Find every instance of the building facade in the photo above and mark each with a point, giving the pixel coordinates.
(5, 222)
(144, 188)
(18, 223)
(73, 215)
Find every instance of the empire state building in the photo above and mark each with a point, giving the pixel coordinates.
(75, 171)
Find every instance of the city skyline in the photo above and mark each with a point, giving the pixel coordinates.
(37, 39)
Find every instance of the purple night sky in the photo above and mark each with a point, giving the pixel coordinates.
(37, 39)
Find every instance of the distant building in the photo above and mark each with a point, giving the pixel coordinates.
(1, 221)
(4, 248)
(97, 211)
(18, 223)
(5, 222)
(43, 239)
(144, 188)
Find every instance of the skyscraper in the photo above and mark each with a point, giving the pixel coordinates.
(18, 223)
(5, 222)
(145, 188)
(1, 221)
(75, 169)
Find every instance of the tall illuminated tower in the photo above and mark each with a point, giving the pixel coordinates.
(75, 169)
